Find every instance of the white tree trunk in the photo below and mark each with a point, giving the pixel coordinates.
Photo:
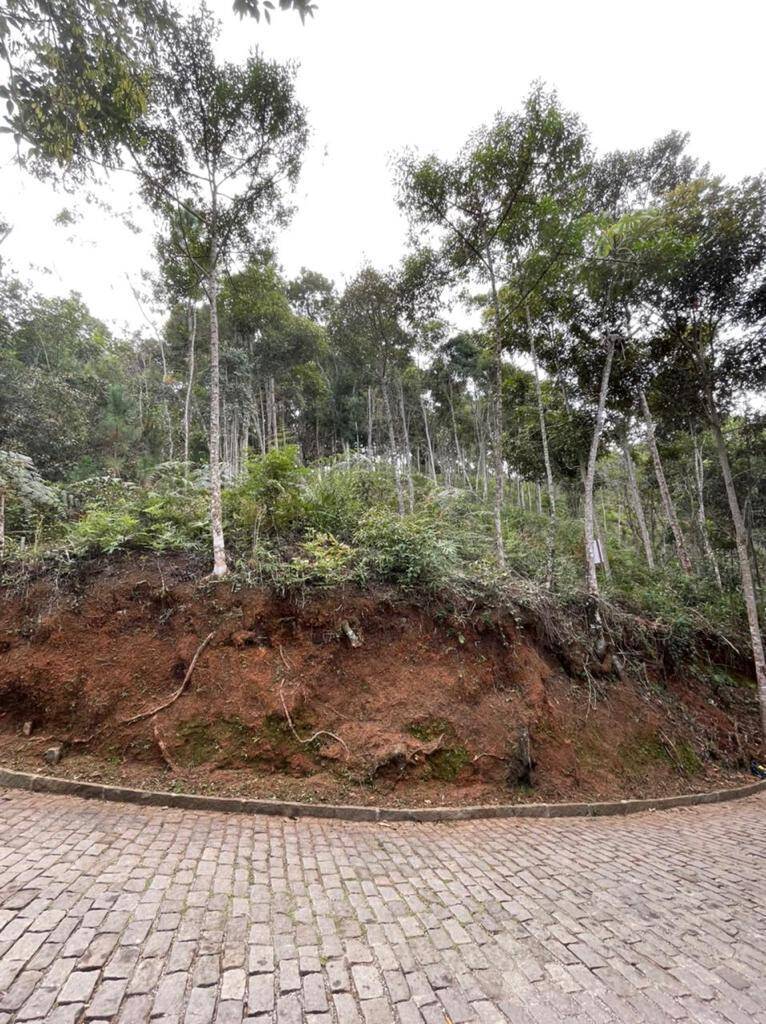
(370, 420)
(497, 417)
(392, 446)
(635, 501)
(191, 322)
(220, 567)
(667, 501)
(431, 461)
(543, 427)
(746, 573)
(699, 475)
(590, 473)
(407, 452)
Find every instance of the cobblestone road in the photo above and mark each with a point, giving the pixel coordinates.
(118, 913)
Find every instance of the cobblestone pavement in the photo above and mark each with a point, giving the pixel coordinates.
(120, 913)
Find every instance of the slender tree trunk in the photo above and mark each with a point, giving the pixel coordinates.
(546, 459)
(244, 451)
(431, 462)
(699, 475)
(497, 418)
(392, 445)
(601, 538)
(370, 420)
(274, 426)
(165, 407)
(2, 525)
(667, 501)
(746, 574)
(541, 414)
(191, 322)
(590, 473)
(635, 501)
(220, 567)
(458, 451)
(407, 452)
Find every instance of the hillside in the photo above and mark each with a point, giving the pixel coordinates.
(343, 695)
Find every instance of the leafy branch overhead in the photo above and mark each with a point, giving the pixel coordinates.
(78, 74)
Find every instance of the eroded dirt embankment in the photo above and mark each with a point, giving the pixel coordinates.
(431, 706)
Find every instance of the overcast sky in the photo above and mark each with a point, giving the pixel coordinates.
(378, 75)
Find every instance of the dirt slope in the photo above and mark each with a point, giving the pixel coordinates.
(432, 706)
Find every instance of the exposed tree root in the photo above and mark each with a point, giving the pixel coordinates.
(161, 707)
(316, 735)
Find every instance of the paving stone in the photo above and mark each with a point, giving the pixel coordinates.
(78, 987)
(367, 981)
(314, 995)
(106, 1001)
(38, 1005)
(137, 914)
(169, 998)
(200, 1006)
(289, 976)
(260, 993)
(135, 1010)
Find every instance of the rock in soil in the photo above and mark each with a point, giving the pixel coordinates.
(54, 754)
(27, 728)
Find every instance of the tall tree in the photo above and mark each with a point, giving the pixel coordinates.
(221, 143)
(709, 297)
(485, 207)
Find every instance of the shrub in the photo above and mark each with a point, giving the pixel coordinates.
(325, 561)
(409, 550)
(104, 529)
(268, 496)
(147, 519)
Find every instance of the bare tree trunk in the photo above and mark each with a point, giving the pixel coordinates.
(2, 525)
(274, 426)
(746, 575)
(245, 446)
(431, 462)
(370, 419)
(635, 501)
(541, 413)
(392, 445)
(601, 538)
(497, 418)
(667, 501)
(220, 567)
(224, 441)
(590, 473)
(699, 475)
(191, 322)
(458, 450)
(546, 458)
(407, 452)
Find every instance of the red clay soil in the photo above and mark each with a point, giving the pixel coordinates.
(433, 707)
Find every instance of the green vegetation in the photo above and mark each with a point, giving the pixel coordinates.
(589, 446)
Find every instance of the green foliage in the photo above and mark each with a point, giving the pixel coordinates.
(409, 550)
(268, 497)
(104, 529)
(118, 517)
(333, 500)
(324, 561)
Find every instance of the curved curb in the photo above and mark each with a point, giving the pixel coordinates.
(349, 812)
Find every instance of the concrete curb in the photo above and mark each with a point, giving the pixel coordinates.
(347, 812)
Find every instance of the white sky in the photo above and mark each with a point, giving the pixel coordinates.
(378, 75)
